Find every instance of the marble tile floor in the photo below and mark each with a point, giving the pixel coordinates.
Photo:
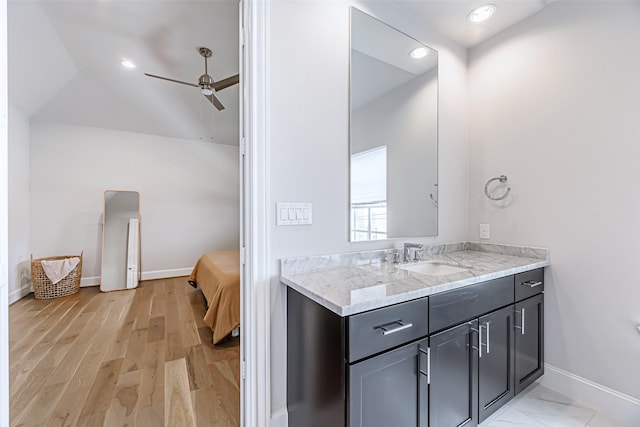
(539, 406)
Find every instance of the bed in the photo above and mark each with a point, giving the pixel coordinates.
(217, 274)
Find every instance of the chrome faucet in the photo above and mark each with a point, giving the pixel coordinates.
(407, 251)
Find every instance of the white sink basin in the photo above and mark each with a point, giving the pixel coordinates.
(433, 269)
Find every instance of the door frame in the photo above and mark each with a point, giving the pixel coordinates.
(254, 229)
(4, 226)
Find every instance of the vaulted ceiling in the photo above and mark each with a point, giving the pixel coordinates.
(64, 64)
(64, 59)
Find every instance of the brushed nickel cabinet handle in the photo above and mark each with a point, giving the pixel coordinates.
(521, 313)
(531, 283)
(426, 353)
(480, 343)
(488, 331)
(386, 330)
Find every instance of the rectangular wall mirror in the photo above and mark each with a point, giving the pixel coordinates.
(120, 241)
(393, 133)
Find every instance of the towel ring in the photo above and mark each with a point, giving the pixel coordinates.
(502, 179)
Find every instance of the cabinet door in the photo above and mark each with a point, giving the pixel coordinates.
(496, 361)
(529, 341)
(390, 389)
(454, 373)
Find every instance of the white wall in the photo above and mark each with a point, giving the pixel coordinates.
(4, 229)
(308, 110)
(554, 104)
(19, 250)
(189, 195)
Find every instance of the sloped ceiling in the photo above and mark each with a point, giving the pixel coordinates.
(67, 65)
(64, 59)
(39, 65)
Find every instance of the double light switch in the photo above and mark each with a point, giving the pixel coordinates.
(293, 213)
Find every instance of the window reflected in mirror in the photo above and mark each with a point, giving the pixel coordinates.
(369, 194)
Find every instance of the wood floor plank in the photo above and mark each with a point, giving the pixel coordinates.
(152, 386)
(177, 397)
(43, 358)
(199, 375)
(158, 299)
(99, 398)
(143, 306)
(174, 347)
(119, 345)
(156, 329)
(122, 411)
(226, 393)
(135, 351)
(101, 359)
(33, 336)
(21, 317)
(210, 410)
(71, 403)
(43, 403)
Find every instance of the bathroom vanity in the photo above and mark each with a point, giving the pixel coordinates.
(442, 342)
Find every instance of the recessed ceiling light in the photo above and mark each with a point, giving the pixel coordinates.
(419, 52)
(482, 13)
(127, 64)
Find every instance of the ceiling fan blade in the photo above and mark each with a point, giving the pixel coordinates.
(215, 101)
(225, 83)
(172, 80)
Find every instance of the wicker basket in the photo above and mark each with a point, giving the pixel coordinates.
(42, 286)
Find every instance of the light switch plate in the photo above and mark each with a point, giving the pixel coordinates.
(484, 231)
(297, 213)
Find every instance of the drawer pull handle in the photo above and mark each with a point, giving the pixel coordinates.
(487, 326)
(531, 283)
(427, 354)
(387, 330)
(521, 327)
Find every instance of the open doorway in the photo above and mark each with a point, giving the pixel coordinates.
(84, 126)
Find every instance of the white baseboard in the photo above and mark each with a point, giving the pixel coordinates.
(280, 418)
(95, 281)
(610, 402)
(146, 275)
(89, 281)
(19, 294)
(166, 274)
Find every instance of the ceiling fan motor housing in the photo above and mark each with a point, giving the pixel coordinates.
(205, 81)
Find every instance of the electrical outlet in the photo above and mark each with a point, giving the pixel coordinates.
(484, 231)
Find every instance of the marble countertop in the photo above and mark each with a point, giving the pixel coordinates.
(353, 283)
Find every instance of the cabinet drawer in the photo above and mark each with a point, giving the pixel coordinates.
(375, 331)
(449, 308)
(529, 283)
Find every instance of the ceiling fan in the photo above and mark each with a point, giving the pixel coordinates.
(206, 84)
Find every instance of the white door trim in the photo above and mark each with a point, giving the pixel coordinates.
(4, 227)
(256, 393)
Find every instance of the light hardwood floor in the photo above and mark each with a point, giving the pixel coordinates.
(138, 357)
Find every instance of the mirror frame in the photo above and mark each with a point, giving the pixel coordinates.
(139, 244)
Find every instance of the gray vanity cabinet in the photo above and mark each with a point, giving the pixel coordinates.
(495, 361)
(472, 364)
(454, 367)
(390, 389)
(449, 359)
(529, 327)
(529, 341)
